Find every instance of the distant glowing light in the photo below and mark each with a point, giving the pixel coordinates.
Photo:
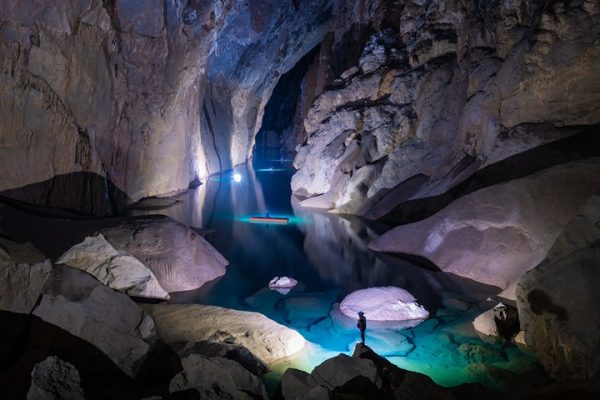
(237, 177)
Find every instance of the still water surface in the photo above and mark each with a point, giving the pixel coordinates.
(328, 255)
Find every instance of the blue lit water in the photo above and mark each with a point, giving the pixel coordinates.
(328, 255)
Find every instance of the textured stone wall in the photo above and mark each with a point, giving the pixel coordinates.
(443, 89)
(139, 96)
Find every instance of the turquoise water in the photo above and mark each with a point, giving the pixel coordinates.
(328, 255)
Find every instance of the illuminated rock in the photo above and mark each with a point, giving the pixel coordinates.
(55, 379)
(178, 257)
(496, 234)
(282, 284)
(383, 304)
(76, 302)
(558, 302)
(117, 270)
(266, 339)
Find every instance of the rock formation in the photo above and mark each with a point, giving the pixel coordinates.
(55, 379)
(78, 303)
(266, 339)
(383, 304)
(496, 234)
(180, 258)
(557, 301)
(443, 89)
(117, 270)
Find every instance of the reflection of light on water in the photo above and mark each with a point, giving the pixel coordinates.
(271, 169)
(292, 219)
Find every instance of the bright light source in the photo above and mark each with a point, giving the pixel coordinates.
(237, 177)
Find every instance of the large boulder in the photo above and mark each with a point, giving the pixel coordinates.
(117, 270)
(23, 274)
(111, 321)
(496, 234)
(558, 304)
(266, 339)
(55, 379)
(180, 258)
(383, 304)
(216, 378)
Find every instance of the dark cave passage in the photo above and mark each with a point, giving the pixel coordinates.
(282, 125)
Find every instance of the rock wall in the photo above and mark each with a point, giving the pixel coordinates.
(443, 89)
(143, 95)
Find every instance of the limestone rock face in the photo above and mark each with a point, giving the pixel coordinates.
(426, 106)
(496, 234)
(78, 303)
(95, 93)
(55, 379)
(557, 301)
(266, 339)
(117, 270)
(383, 304)
(178, 257)
(23, 274)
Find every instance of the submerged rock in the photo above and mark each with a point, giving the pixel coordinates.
(111, 321)
(266, 339)
(383, 304)
(558, 304)
(179, 257)
(55, 379)
(117, 270)
(496, 234)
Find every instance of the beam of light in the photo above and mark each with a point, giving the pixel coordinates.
(237, 177)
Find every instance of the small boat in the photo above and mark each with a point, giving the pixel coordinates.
(269, 220)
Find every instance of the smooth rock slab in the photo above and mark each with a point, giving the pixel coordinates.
(383, 304)
(179, 257)
(117, 270)
(266, 339)
(282, 284)
(55, 379)
(111, 321)
(496, 234)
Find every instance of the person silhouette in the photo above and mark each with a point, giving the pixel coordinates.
(362, 325)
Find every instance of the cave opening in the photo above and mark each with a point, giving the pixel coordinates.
(282, 124)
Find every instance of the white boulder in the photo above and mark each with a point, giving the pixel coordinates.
(282, 284)
(383, 304)
(180, 258)
(116, 269)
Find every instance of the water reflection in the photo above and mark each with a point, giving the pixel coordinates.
(328, 255)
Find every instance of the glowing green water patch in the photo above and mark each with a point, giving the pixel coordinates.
(292, 219)
(271, 169)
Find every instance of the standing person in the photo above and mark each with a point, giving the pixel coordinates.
(362, 325)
